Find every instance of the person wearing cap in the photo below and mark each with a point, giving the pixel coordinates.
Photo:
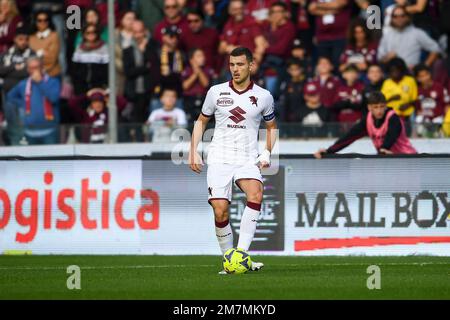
(13, 62)
(384, 127)
(94, 118)
(312, 114)
(13, 70)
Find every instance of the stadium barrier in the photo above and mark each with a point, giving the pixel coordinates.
(343, 205)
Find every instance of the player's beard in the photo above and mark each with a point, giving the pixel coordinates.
(242, 79)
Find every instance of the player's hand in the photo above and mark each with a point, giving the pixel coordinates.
(195, 162)
(385, 151)
(319, 153)
(263, 161)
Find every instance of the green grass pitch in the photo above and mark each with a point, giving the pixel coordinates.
(195, 277)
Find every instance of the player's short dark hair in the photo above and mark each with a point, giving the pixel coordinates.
(376, 97)
(242, 51)
(421, 67)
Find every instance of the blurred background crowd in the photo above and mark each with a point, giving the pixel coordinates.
(317, 57)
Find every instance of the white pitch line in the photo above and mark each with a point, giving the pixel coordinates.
(211, 265)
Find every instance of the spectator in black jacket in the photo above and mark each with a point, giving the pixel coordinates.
(13, 70)
(13, 62)
(90, 62)
(141, 68)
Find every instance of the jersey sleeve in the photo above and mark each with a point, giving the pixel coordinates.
(268, 112)
(209, 107)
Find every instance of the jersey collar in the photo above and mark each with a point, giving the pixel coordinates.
(250, 86)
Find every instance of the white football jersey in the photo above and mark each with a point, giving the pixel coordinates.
(238, 116)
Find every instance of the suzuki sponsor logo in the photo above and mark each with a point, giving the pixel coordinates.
(237, 115)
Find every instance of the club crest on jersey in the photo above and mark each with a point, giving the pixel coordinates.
(225, 102)
(254, 100)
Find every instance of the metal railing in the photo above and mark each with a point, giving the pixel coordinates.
(137, 132)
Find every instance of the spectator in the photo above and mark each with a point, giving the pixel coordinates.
(9, 21)
(299, 52)
(432, 101)
(280, 34)
(13, 62)
(150, 12)
(349, 96)
(258, 9)
(124, 39)
(173, 16)
(361, 50)
(405, 41)
(425, 15)
(45, 42)
(142, 70)
(313, 114)
(38, 99)
(196, 80)
(326, 82)
(56, 8)
(242, 31)
(209, 10)
(446, 124)
(90, 62)
(388, 12)
(400, 90)
(292, 91)
(332, 19)
(198, 36)
(164, 120)
(12, 71)
(375, 78)
(304, 23)
(383, 126)
(94, 118)
(91, 17)
(171, 59)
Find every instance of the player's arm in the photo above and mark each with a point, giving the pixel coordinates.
(195, 160)
(393, 132)
(263, 160)
(356, 132)
(208, 109)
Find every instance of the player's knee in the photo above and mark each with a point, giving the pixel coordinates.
(221, 216)
(221, 213)
(255, 197)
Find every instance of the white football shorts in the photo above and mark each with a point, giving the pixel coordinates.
(220, 178)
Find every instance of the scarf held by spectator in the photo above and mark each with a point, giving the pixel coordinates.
(48, 107)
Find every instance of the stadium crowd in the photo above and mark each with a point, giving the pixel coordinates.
(317, 57)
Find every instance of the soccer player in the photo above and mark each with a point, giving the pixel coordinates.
(238, 106)
(382, 125)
